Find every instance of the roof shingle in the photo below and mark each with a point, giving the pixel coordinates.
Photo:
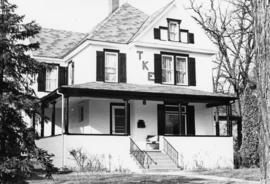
(120, 26)
(56, 43)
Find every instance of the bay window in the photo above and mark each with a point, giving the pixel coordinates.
(111, 67)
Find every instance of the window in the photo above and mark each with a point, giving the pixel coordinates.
(71, 73)
(184, 36)
(164, 34)
(51, 79)
(118, 120)
(172, 124)
(181, 70)
(111, 67)
(173, 31)
(167, 69)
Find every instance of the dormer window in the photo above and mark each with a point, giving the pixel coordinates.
(111, 67)
(173, 31)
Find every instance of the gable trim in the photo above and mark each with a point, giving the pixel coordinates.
(136, 37)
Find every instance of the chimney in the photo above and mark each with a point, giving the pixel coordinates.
(113, 5)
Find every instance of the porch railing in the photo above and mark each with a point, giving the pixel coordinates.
(141, 156)
(170, 151)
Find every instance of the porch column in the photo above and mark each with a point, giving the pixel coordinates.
(53, 118)
(217, 122)
(229, 122)
(126, 115)
(42, 120)
(66, 114)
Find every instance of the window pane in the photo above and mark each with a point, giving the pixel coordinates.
(181, 70)
(119, 120)
(172, 125)
(174, 31)
(184, 37)
(163, 34)
(111, 67)
(52, 79)
(167, 69)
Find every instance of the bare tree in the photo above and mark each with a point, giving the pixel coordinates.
(229, 24)
(262, 36)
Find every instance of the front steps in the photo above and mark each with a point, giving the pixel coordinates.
(164, 162)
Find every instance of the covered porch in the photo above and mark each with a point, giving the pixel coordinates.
(94, 111)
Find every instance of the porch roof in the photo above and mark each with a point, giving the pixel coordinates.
(140, 92)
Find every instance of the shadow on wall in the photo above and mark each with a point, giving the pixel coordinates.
(96, 162)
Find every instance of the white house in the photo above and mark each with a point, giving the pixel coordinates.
(137, 89)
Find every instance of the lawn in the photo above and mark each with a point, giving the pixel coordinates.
(247, 174)
(86, 178)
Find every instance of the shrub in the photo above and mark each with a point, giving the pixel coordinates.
(250, 142)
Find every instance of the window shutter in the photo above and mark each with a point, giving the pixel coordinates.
(100, 66)
(128, 123)
(190, 38)
(62, 76)
(157, 67)
(122, 75)
(191, 72)
(42, 80)
(190, 120)
(156, 33)
(161, 119)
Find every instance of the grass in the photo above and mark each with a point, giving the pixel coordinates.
(86, 178)
(246, 174)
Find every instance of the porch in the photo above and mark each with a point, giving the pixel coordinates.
(108, 114)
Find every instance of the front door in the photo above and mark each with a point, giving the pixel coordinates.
(117, 119)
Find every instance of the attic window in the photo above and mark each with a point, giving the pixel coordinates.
(173, 31)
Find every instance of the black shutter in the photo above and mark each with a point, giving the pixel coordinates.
(190, 38)
(100, 66)
(122, 75)
(191, 72)
(42, 80)
(161, 119)
(156, 33)
(158, 69)
(62, 76)
(190, 120)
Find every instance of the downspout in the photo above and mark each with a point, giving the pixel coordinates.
(62, 124)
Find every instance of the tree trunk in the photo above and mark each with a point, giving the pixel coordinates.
(262, 37)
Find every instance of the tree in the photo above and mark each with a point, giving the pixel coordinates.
(262, 37)
(229, 24)
(17, 74)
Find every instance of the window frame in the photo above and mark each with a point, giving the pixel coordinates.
(173, 69)
(185, 81)
(117, 66)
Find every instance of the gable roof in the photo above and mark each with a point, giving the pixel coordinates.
(120, 26)
(56, 43)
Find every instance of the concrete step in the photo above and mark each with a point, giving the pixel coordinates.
(164, 162)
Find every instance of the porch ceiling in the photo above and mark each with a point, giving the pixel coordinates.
(140, 92)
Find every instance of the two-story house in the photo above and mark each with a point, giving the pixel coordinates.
(137, 89)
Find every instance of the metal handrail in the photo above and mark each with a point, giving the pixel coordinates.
(140, 155)
(170, 151)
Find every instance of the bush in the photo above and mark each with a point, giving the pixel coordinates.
(251, 125)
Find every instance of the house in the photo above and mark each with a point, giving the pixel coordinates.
(137, 91)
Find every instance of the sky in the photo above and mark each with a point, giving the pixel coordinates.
(76, 15)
